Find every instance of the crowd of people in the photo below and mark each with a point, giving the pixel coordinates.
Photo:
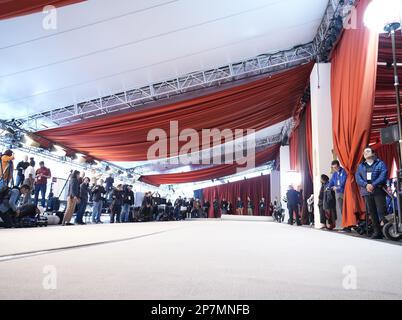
(119, 201)
(375, 188)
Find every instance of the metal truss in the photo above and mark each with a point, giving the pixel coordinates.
(335, 18)
(265, 63)
(175, 162)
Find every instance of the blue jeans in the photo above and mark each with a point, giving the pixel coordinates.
(81, 210)
(125, 211)
(42, 189)
(97, 211)
(20, 180)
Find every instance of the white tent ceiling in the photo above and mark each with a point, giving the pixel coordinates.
(101, 47)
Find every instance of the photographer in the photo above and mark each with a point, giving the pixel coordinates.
(128, 201)
(21, 167)
(147, 206)
(9, 209)
(98, 198)
(117, 203)
(84, 195)
(72, 198)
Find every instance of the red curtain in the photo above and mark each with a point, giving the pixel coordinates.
(353, 82)
(255, 188)
(309, 139)
(256, 105)
(16, 8)
(385, 106)
(303, 163)
(210, 173)
(293, 150)
(389, 154)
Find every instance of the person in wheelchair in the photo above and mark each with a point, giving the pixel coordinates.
(10, 211)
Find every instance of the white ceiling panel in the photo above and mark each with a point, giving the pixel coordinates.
(102, 47)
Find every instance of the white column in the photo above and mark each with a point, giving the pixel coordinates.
(275, 187)
(284, 172)
(321, 121)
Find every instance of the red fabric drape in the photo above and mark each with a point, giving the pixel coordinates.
(389, 154)
(255, 105)
(293, 151)
(16, 8)
(353, 81)
(210, 173)
(385, 106)
(256, 188)
(309, 139)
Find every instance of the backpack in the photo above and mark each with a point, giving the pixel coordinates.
(329, 200)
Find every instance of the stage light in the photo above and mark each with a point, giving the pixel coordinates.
(59, 151)
(30, 142)
(80, 158)
(380, 14)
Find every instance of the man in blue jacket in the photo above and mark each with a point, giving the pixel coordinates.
(337, 183)
(371, 176)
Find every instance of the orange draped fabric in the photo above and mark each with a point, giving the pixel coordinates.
(214, 172)
(15, 8)
(256, 105)
(353, 82)
(385, 103)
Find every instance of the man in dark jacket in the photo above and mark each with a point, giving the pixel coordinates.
(84, 195)
(224, 207)
(98, 198)
(262, 207)
(293, 198)
(206, 207)
(371, 176)
(21, 167)
(128, 201)
(146, 208)
(215, 204)
(117, 202)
